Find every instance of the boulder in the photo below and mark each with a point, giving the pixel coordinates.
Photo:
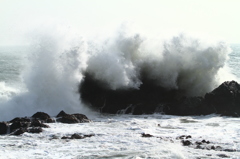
(43, 117)
(3, 128)
(186, 142)
(38, 123)
(150, 98)
(147, 135)
(81, 118)
(225, 99)
(71, 118)
(19, 131)
(61, 114)
(17, 125)
(77, 136)
(32, 124)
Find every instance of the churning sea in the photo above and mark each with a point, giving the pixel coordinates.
(115, 136)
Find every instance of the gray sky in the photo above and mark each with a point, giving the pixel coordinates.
(215, 18)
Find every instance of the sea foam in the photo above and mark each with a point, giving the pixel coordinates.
(58, 61)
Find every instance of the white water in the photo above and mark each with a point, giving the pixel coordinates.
(49, 80)
(119, 136)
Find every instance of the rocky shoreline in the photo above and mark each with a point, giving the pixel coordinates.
(37, 121)
(224, 100)
(149, 98)
(201, 144)
(40, 120)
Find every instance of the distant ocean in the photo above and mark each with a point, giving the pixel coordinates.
(45, 77)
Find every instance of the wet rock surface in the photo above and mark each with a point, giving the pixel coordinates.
(188, 141)
(37, 122)
(149, 98)
(225, 99)
(19, 125)
(44, 117)
(3, 128)
(72, 118)
(77, 136)
(147, 135)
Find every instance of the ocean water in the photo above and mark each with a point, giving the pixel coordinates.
(45, 77)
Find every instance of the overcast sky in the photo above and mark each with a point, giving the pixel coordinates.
(216, 18)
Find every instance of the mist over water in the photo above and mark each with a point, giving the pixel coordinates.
(58, 61)
(51, 77)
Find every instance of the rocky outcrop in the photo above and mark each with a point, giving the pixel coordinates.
(18, 125)
(184, 106)
(3, 128)
(44, 117)
(225, 99)
(149, 98)
(33, 124)
(77, 136)
(71, 118)
(36, 122)
(191, 142)
(144, 100)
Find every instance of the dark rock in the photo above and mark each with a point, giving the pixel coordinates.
(42, 116)
(199, 147)
(3, 128)
(198, 143)
(225, 99)
(186, 142)
(150, 98)
(77, 136)
(223, 155)
(184, 106)
(19, 131)
(17, 125)
(37, 123)
(230, 150)
(33, 124)
(90, 135)
(82, 118)
(189, 136)
(97, 95)
(71, 118)
(61, 114)
(146, 135)
(65, 137)
(35, 130)
(25, 119)
(50, 120)
(204, 141)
